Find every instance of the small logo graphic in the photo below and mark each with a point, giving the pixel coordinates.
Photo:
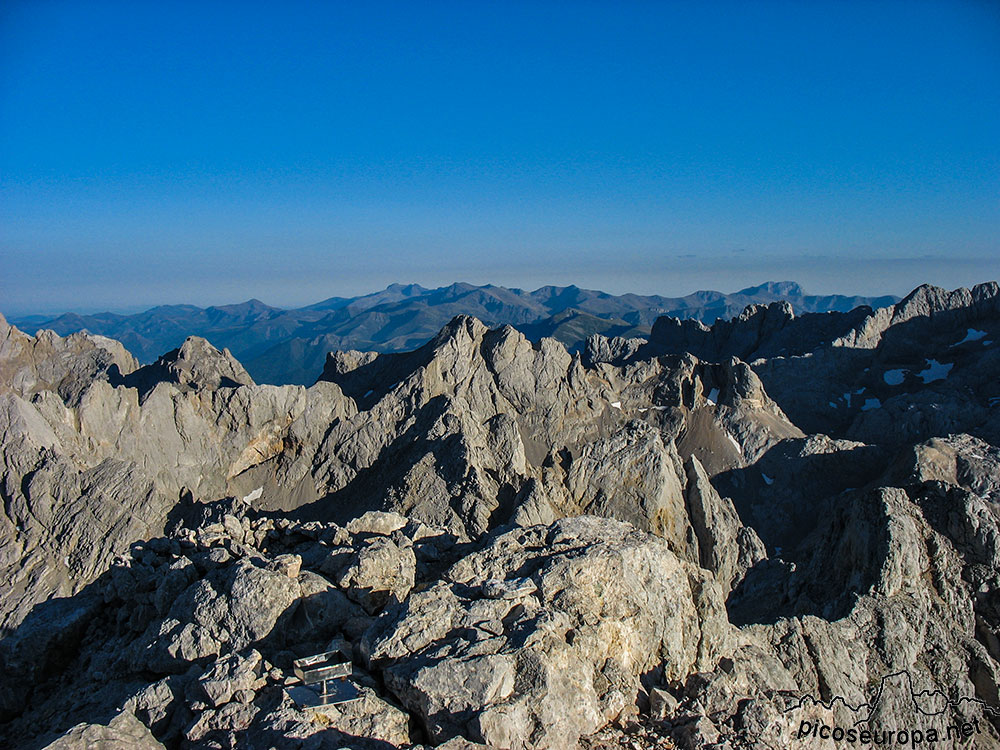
(896, 714)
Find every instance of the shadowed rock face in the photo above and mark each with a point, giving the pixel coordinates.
(897, 375)
(524, 547)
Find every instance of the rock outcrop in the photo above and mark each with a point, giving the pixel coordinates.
(656, 543)
(588, 607)
(66, 366)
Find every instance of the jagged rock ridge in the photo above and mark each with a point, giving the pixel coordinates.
(288, 346)
(525, 548)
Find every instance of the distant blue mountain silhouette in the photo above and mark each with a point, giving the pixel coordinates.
(290, 346)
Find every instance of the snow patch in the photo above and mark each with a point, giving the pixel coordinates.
(894, 377)
(767, 480)
(368, 393)
(616, 404)
(871, 403)
(713, 397)
(832, 405)
(735, 442)
(971, 335)
(255, 495)
(847, 398)
(935, 371)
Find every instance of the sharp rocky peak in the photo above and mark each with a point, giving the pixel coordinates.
(195, 365)
(655, 542)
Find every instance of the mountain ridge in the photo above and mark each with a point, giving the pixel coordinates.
(657, 543)
(288, 346)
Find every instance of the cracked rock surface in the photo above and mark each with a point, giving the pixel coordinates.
(715, 538)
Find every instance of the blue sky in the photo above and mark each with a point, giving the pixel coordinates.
(209, 152)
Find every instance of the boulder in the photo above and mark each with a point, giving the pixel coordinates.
(124, 732)
(558, 660)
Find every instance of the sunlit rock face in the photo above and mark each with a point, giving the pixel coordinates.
(728, 534)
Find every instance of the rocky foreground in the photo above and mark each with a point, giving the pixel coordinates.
(775, 532)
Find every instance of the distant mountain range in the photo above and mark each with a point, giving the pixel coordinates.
(284, 346)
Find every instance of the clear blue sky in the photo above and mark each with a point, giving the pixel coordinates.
(208, 152)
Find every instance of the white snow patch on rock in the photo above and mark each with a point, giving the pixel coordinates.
(894, 377)
(255, 495)
(935, 371)
(735, 443)
(971, 335)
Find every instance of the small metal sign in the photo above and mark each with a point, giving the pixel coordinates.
(323, 678)
(329, 665)
(330, 693)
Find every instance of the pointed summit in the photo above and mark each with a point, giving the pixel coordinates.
(195, 365)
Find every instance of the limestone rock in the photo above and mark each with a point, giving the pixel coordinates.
(228, 610)
(661, 704)
(377, 571)
(374, 522)
(322, 611)
(612, 603)
(228, 676)
(125, 732)
(614, 350)
(632, 477)
(961, 460)
(157, 703)
(372, 717)
(195, 365)
(725, 546)
(33, 364)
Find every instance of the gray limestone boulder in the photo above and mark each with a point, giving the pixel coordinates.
(560, 658)
(124, 732)
(229, 610)
(377, 572)
(227, 676)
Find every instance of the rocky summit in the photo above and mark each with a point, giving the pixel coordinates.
(778, 531)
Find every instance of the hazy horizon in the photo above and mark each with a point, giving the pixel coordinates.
(951, 274)
(140, 308)
(210, 153)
